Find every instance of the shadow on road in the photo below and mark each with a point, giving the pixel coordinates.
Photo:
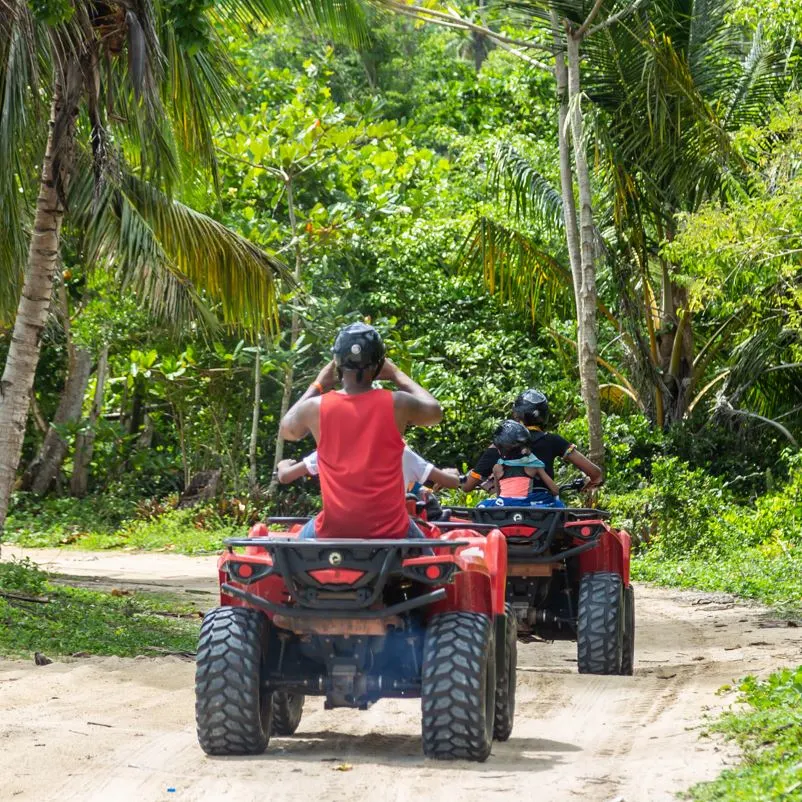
(325, 746)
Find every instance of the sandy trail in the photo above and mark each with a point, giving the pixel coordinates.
(123, 729)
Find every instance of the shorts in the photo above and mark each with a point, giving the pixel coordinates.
(540, 498)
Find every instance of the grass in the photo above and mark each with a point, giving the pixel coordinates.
(77, 620)
(768, 729)
(773, 579)
(94, 525)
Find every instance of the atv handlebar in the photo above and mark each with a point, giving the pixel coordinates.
(575, 485)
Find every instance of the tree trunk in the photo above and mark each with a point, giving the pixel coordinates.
(54, 448)
(23, 354)
(566, 171)
(480, 44)
(587, 294)
(295, 330)
(253, 475)
(85, 441)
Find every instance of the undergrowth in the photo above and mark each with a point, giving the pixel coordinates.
(768, 729)
(67, 620)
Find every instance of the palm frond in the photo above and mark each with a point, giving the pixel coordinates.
(518, 269)
(345, 20)
(176, 259)
(529, 194)
(21, 120)
(761, 82)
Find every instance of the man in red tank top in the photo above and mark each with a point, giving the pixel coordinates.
(358, 433)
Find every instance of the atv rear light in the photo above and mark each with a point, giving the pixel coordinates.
(433, 572)
(247, 572)
(336, 576)
(585, 531)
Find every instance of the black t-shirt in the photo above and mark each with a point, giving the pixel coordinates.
(546, 446)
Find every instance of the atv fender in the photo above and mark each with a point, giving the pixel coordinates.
(611, 554)
(480, 584)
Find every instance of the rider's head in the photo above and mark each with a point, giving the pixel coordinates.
(358, 354)
(511, 438)
(531, 408)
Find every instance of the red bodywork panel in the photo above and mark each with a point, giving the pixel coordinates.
(610, 554)
(478, 585)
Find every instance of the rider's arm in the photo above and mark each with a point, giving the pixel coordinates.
(414, 405)
(289, 470)
(297, 423)
(444, 477)
(482, 469)
(547, 480)
(590, 469)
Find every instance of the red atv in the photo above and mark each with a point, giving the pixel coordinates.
(567, 578)
(356, 621)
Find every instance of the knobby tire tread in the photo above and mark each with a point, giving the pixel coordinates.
(628, 656)
(287, 711)
(458, 687)
(231, 714)
(505, 680)
(600, 624)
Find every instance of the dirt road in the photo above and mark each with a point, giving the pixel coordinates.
(122, 729)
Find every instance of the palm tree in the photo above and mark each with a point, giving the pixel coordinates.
(132, 88)
(666, 89)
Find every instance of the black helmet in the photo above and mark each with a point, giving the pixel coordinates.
(510, 435)
(358, 347)
(532, 408)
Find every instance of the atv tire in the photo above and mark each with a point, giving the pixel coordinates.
(458, 689)
(233, 711)
(600, 624)
(505, 680)
(628, 654)
(287, 711)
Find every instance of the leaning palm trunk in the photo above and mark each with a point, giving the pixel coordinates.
(23, 354)
(586, 293)
(54, 448)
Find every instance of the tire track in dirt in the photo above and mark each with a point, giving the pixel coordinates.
(584, 738)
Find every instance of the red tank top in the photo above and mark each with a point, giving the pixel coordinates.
(359, 459)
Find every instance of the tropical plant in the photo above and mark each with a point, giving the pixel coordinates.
(669, 87)
(132, 89)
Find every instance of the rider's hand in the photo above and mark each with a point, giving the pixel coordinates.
(388, 372)
(286, 463)
(327, 377)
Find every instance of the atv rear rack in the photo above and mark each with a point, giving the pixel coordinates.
(546, 522)
(305, 565)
